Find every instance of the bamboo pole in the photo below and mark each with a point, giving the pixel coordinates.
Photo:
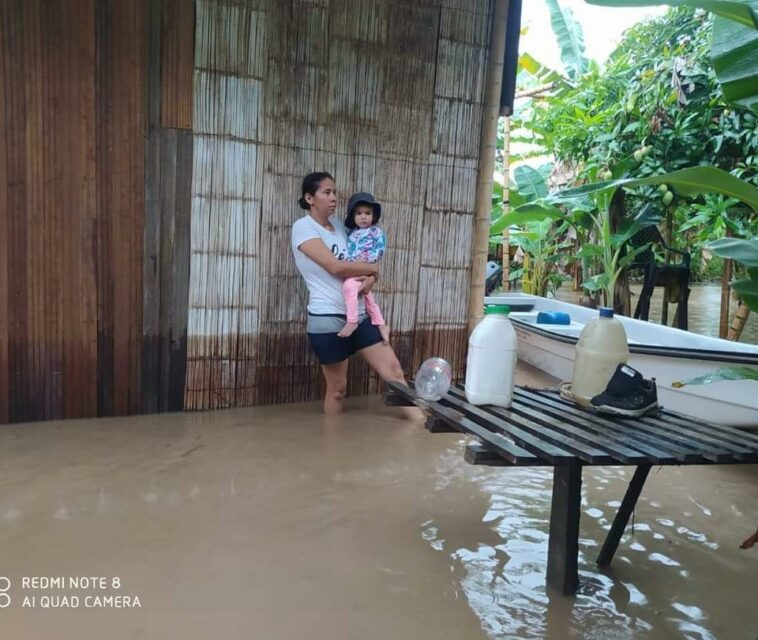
(506, 202)
(536, 92)
(739, 319)
(487, 149)
(725, 279)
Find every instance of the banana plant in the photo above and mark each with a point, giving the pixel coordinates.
(609, 249)
(570, 38)
(690, 182)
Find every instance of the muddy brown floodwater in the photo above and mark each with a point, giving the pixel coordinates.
(275, 522)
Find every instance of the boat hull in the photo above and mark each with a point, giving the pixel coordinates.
(730, 402)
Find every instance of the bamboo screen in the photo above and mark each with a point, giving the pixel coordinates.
(387, 96)
(149, 175)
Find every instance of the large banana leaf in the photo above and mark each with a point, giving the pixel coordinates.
(732, 10)
(531, 183)
(570, 38)
(734, 53)
(692, 181)
(524, 214)
(744, 251)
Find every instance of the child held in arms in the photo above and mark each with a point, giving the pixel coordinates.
(365, 243)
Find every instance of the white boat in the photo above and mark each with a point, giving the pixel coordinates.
(665, 353)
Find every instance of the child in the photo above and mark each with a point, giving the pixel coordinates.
(365, 243)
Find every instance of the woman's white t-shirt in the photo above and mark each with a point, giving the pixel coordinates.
(324, 289)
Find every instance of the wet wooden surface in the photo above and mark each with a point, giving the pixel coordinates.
(542, 428)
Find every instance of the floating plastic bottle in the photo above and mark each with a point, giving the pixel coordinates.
(492, 356)
(602, 346)
(433, 379)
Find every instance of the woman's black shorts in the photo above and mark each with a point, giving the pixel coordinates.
(329, 347)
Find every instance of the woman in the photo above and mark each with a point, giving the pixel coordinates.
(319, 244)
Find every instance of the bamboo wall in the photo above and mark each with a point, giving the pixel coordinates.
(385, 95)
(149, 176)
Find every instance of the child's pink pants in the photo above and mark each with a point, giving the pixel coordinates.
(350, 288)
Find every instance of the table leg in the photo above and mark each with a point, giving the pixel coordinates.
(622, 517)
(563, 543)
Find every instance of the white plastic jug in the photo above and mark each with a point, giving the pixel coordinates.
(491, 363)
(601, 348)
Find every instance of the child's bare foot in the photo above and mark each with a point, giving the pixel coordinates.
(348, 329)
(384, 331)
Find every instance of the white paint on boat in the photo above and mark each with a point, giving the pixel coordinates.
(665, 353)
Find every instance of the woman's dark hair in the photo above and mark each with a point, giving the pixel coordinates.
(311, 183)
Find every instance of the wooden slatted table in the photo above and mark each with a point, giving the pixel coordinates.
(542, 429)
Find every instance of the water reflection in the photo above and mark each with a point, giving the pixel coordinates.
(704, 310)
(504, 582)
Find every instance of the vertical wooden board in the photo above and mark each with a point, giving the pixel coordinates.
(105, 233)
(121, 179)
(177, 62)
(151, 238)
(180, 274)
(36, 249)
(5, 151)
(168, 210)
(16, 18)
(78, 139)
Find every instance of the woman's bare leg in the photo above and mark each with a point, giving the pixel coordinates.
(335, 375)
(382, 359)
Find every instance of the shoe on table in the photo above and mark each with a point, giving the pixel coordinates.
(627, 394)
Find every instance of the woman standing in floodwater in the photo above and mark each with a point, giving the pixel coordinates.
(319, 244)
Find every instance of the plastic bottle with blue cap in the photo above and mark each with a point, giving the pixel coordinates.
(602, 346)
(491, 362)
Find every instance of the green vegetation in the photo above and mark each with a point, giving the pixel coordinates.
(654, 121)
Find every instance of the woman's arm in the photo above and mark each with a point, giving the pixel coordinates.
(317, 251)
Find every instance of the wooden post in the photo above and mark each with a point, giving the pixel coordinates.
(622, 516)
(739, 319)
(486, 165)
(563, 542)
(726, 277)
(506, 202)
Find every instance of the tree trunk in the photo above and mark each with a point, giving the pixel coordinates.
(622, 297)
(725, 279)
(506, 202)
(741, 314)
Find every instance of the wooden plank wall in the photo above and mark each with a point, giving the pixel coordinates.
(168, 151)
(120, 37)
(151, 168)
(387, 96)
(73, 206)
(49, 209)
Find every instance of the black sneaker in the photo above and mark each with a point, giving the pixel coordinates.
(627, 394)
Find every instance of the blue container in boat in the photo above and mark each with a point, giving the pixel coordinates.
(553, 317)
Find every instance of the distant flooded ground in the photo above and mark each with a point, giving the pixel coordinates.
(704, 309)
(278, 523)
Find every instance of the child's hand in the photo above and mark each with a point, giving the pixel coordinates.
(368, 283)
